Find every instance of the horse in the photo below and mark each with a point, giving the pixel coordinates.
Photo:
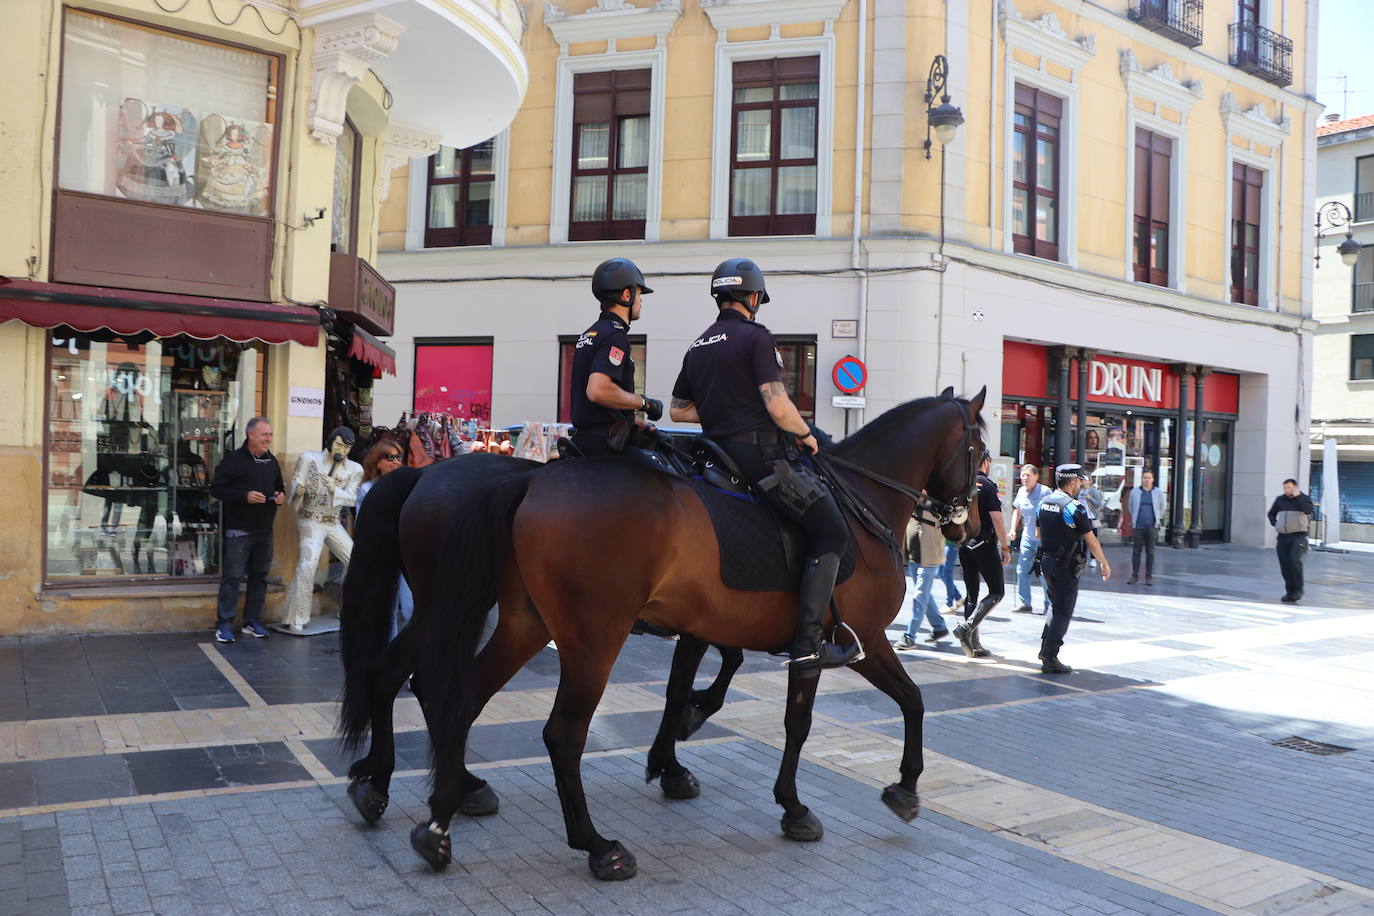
(565, 564)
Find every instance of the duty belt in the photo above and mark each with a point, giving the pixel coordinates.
(759, 437)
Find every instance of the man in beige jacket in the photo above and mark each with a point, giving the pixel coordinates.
(925, 548)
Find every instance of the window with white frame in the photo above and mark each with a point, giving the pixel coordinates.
(773, 146)
(1251, 204)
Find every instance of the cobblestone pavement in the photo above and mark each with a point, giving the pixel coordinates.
(167, 774)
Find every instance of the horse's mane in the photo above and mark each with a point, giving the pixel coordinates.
(877, 433)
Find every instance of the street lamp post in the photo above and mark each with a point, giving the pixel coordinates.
(944, 118)
(1331, 215)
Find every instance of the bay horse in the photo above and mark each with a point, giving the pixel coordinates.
(578, 552)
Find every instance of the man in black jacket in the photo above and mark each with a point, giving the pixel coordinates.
(248, 484)
(1289, 515)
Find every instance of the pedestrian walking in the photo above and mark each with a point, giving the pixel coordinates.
(1290, 515)
(953, 599)
(1066, 540)
(1146, 508)
(382, 459)
(925, 550)
(1026, 536)
(984, 556)
(249, 486)
(1092, 498)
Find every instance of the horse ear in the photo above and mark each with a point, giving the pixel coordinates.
(976, 404)
(947, 394)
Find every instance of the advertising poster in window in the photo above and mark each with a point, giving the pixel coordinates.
(454, 380)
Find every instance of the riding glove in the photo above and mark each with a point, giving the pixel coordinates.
(653, 408)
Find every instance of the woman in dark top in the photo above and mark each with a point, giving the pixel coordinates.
(984, 557)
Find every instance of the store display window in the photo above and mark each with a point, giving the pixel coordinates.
(136, 428)
(454, 378)
(155, 116)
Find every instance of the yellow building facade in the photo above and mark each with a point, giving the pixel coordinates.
(1123, 213)
(192, 195)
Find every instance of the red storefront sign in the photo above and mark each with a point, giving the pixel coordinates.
(1026, 373)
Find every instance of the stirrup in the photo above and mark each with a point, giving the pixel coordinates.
(816, 655)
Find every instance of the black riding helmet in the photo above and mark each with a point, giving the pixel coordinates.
(735, 279)
(610, 277)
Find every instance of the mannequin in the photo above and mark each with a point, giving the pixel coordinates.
(322, 484)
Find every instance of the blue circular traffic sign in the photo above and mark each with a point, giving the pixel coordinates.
(850, 375)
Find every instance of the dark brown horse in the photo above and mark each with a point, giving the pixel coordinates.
(568, 563)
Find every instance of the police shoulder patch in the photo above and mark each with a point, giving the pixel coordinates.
(616, 356)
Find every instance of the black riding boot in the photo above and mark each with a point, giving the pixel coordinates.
(967, 632)
(809, 653)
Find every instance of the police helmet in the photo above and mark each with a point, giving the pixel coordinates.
(610, 277)
(735, 279)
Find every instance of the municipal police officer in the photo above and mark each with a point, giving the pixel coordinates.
(1066, 537)
(731, 383)
(603, 372)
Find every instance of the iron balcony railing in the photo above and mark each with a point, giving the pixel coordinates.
(1364, 297)
(1364, 205)
(1180, 20)
(1263, 52)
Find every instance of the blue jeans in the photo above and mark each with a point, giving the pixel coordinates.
(924, 602)
(952, 593)
(247, 558)
(1025, 558)
(405, 606)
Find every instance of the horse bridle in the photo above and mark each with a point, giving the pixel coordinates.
(941, 512)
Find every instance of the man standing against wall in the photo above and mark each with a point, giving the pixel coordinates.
(1290, 515)
(1146, 505)
(249, 486)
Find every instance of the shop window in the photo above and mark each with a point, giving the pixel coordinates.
(1035, 172)
(799, 371)
(1362, 293)
(136, 427)
(462, 185)
(567, 345)
(165, 118)
(453, 377)
(773, 146)
(343, 223)
(1361, 357)
(1247, 184)
(1364, 188)
(610, 155)
(1153, 155)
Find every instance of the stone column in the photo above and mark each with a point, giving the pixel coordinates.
(1060, 357)
(1176, 480)
(1085, 358)
(1199, 452)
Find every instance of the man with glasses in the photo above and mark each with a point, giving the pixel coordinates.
(249, 486)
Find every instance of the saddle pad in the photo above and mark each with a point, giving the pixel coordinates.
(759, 551)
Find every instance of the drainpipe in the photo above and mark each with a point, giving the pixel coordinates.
(1176, 529)
(861, 82)
(1085, 358)
(1195, 531)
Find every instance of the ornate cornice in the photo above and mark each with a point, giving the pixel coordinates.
(401, 144)
(612, 19)
(744, 14)
(1159, 85)
(344, 51)
(1254, 123)
(1046, 38)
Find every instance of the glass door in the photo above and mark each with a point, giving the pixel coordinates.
(199, 429)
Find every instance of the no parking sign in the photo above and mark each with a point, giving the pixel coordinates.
(849, 375)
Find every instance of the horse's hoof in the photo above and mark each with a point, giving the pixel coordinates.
(682, 786)
(692, 719)
(370, 803)
(615, 864)
(435, 846)
(905, 804)
(483, 802)
(805, 828)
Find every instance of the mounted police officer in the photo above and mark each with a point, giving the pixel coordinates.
(1066, 537)
(603, 371)
(731, 383)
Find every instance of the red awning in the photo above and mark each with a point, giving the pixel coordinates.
(372, 351)
(91, 308)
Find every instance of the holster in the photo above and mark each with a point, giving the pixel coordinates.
(1073, 561)
(619, 434)
(792, 488)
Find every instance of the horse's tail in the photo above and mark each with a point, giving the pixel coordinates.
(369, 594)
(481, 508)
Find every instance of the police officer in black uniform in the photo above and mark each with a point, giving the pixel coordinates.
(603, 372)
(731, 383)
(1066, 537)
